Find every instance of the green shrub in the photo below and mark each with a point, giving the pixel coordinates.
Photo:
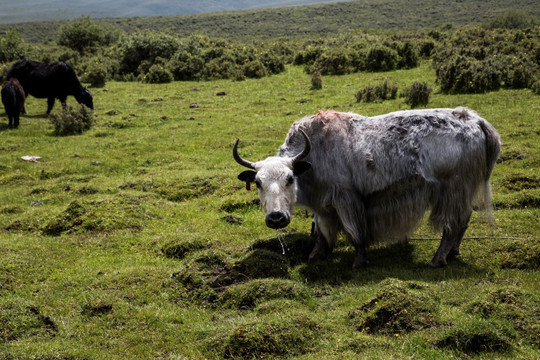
(254, 69)
(334, 62)
(146, 46)
(96, 74)
(70, 121)
(12, 47)
(408, 56)
(158, 74)
(185, 66)
(83, 34)
(417, 94)
(384, 91)
(381, 58)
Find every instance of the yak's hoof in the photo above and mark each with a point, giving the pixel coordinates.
(454, 253)
(318, 253)
(437, 263)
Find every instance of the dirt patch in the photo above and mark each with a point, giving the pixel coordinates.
(292, 336)
(178, 249)
(189, 189)
(232, 206)
(520, 182)
(96, 309)
(207, 274)
(527, 198)
(510, 155)
(398, 307)
(524, 255)
(294, 247)
(19, 320)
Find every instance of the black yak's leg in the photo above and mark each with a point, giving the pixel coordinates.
(16, 120)
(324, 230)
(50, 104)
(10, 121)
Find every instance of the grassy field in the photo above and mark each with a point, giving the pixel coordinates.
(136, 241)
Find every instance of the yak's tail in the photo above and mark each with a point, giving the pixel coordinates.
(492, 148)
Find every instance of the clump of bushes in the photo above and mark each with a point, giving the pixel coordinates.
(417, 94)
(84, 34)
(158, 74)
(380, 92)
(72, 121)
(397, 308)
(476, 60)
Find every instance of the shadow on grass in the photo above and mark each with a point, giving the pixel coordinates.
(392, 261)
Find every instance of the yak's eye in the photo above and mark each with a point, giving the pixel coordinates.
(290, 180)
(258, 183)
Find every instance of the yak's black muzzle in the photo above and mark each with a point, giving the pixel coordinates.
(277, 219)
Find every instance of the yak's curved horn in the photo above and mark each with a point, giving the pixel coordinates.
(307, 148)
(239, 159)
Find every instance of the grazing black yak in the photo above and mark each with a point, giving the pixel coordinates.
(55, 80)
(13, 100)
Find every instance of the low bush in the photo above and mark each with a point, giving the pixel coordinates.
(72, 121)
(417, 94)
(380, 92)
(316, 79)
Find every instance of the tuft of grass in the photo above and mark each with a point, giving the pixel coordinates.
(178, 249)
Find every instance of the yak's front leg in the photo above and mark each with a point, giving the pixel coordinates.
(50, 104)
(325, 231)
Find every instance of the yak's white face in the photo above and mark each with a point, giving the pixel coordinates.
(277, 190)
(276, 180)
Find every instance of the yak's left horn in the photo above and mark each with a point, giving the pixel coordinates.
(307, 148)
(239, 159)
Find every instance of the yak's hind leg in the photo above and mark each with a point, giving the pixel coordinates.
(451, 240)
(324, 230)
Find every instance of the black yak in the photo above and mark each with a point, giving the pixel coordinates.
(13, 99)
(55, 80)
(373, 178)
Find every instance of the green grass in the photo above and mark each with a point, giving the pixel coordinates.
(160, 252)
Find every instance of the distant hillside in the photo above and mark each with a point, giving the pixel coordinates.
(39, 10)
(312, 20)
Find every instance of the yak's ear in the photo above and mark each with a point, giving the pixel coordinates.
(247, 176)
(301, 167)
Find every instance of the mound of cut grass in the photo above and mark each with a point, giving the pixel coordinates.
(98, 215)
(249, 295)
(292, 336)
(477, 336)
(518, 307)
(398, 307)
